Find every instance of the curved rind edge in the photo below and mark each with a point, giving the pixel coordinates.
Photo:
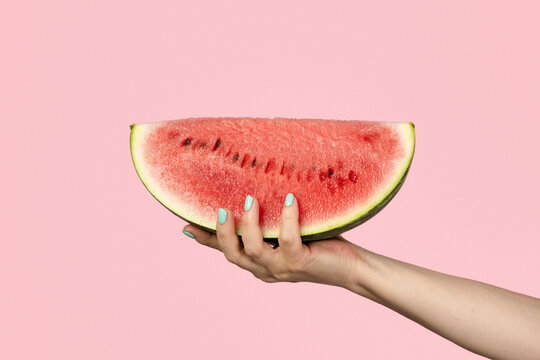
(377, 206)
(326, 233)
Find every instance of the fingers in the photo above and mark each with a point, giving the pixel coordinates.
(254, 246)
(230, 244)
(201, 236)
(290, 243)
(226, 236)
(252, 253)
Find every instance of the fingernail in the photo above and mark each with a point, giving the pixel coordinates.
(289, 199)
(249, 202)
(187, 233)
(222, 216)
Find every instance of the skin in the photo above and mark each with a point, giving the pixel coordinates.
(485, 319)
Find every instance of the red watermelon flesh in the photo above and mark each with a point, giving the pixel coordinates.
(341, 172)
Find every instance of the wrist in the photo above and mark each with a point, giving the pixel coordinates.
(363, 275)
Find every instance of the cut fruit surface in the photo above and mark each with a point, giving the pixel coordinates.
(341, 172)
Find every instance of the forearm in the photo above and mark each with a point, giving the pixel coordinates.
(485, 319)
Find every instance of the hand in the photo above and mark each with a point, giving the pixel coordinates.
(332, 262)
(485, 319)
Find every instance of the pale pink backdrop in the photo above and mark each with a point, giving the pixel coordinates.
(92, 267)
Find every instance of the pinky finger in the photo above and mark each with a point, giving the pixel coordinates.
(201, 236)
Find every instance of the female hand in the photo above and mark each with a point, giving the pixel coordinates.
(330, 262)
(482, 318)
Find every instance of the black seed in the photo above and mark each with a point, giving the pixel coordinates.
(330, 172)
(244, 159)
(187, 142)
(254, 162)
(236, 156)
(218, 142)
(269, 166)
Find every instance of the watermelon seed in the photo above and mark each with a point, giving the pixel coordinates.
(218, 142)
(253, 162)
(203, 145)
(236, 156)
(353, 177)
(282, 169)
(269, 165)
(244, 160)
(330, 172)
(187, 142)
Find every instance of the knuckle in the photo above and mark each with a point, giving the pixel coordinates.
(282, 275)
(223, 238)
(288, 237)
(247, 221)
(219, 235)
(253, 251)
(231, 258)
(284, 238)
(203, 241)
(288, 215)
(294, 268)
(287, 273)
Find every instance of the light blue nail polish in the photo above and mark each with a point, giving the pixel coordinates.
(249, 202)
(187, 233)
(222, 216)
(289, 199)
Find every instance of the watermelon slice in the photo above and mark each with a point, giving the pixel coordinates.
(341, 172)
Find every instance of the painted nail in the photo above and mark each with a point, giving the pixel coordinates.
(289, 199)
(249, 202)
(187, 233)
(222, 216)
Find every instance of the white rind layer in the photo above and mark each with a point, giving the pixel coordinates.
(139, 132)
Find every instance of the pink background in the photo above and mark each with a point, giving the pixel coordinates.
(92, 267)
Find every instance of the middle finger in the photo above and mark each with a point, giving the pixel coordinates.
(254, 245)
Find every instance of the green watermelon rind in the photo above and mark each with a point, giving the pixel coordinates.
(316, 234)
